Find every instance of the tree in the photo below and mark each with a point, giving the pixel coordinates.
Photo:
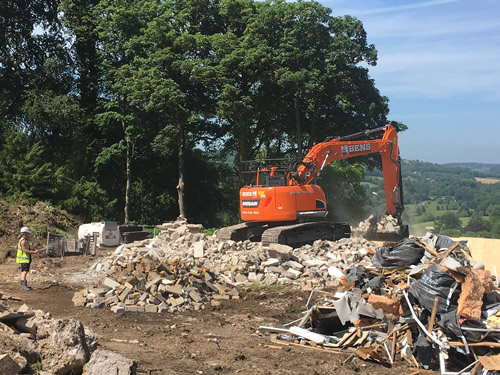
(447, 221)
(26, 174)
(173, 77)
(117, 26)
(477, 224)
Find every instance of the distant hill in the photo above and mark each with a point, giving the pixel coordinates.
(484, 170)
(464, 195)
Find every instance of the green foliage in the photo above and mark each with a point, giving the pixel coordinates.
(103, 118)
(89, 201)
(441, 190)
(25, 173)
(447, 221)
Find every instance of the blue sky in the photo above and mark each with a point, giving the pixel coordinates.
(439, 64)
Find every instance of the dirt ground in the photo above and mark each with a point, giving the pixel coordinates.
(222, 340)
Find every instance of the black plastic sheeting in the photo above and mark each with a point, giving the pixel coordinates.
(404, 254)
(364, 280)
(436, 282)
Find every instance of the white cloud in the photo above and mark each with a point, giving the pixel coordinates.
(397, 8)
(436, 53)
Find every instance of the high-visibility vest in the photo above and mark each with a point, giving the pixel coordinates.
(22, 257)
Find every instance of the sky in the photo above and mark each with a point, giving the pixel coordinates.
(439, 65)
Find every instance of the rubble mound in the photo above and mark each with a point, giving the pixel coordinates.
(41, 218)
(32, 339)
(184, 269)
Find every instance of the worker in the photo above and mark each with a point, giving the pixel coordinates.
(24, 256)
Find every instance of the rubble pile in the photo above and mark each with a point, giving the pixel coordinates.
(437, 310)
(31, 339)
(183, 269)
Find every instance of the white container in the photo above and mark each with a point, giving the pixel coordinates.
(107, 232)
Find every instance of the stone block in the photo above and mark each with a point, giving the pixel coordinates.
(240, 278)
(113, 299)
(106, 362)
(198, 249)
(117, 309)
(151, 308)
(271, 262)
(123, 295)
(8, 365)
(280, 251)
(173, 289)
(195, 296)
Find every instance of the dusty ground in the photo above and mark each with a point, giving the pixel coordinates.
(213, 341)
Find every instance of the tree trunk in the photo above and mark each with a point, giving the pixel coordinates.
(128, 172)
(298, 127)
(244, 153)
(180, 185)
(314, 128)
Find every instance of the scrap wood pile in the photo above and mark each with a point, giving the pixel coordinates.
(425, 301)
(182, 269)
(31, 341)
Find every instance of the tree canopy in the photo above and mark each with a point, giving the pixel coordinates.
(143, 110)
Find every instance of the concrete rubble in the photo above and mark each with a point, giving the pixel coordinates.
(32, 339)
(184, 269)
(382, 224)
(441, 313)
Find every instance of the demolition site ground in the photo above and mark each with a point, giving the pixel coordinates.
(217, 340)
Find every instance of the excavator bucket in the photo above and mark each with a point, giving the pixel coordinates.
(395, 236)
(383, 228)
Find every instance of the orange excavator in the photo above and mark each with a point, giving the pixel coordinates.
(284, 203)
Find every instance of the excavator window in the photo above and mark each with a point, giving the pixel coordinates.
(279, 180)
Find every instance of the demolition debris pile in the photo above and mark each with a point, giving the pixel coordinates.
(184, 269)
(425, 301)
(32, 342)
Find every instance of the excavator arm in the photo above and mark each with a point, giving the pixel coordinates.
(324, 153)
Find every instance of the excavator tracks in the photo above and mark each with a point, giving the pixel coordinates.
(297, 235)
(294, 235)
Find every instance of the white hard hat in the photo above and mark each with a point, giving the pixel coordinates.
(25, 230)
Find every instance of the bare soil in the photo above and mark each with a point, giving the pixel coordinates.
(222, 340)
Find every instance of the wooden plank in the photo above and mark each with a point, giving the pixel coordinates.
(433, 314)
(449, 250)
(484, 343)
(394, 344)
(320, 348)
(426, 247)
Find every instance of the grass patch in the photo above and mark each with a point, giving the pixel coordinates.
(259, 287)
(209, 231)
